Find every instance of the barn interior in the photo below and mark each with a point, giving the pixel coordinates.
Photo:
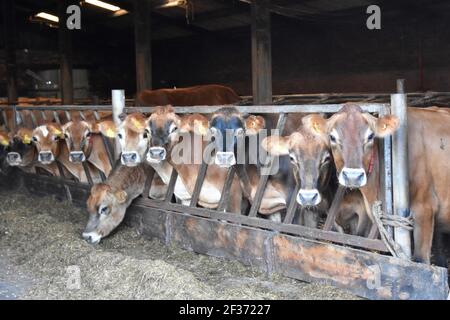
(310, 46)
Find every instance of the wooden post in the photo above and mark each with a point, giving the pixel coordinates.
(261, 52)
(400, 166)
(142, 40)
(65, 55)
(10, 36)
(118, 105)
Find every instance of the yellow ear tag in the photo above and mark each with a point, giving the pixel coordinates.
(26, 139)
(316, 127)
(137, 124)
(202, 130)
(4, 142)
(384, 126)
(57, 132)
(110, 133)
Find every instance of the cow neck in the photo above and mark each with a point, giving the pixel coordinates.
(373, 173)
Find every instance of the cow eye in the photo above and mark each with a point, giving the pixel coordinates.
(292, 157)
(66, 136)
(35, 139)
(173, 128)
(88, 134)
(120, 135)
(326, 159)
(332, 138)
(371, 136)
(104, 210)
(239, 132)
(55, 138)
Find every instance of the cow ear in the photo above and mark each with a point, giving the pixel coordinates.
(4, 140)
(276, 145)
(107, 128)
(65, 126)
(56, 129)
(382, 127)
(316, 124)
(253, 124)
(121, 196)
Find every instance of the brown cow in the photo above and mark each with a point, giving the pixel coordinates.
(351, 135)
(109, 201)
(85, 145)
(211, 94)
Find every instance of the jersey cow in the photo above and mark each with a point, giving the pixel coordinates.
(109, 201)
(351, 134)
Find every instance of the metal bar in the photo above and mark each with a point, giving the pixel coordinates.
(87, 172)
(5, 119)
(295, 108)
(43, 115)
(226, 190)
(56, 117)
(14, 119)
(400, 165)
(148, 182)
(82, 117)
(293, 205)
(171, 186)
(118, 106)
(331, 217)
(68, 116)
(33, 119)
(264, 178)
(199, 183)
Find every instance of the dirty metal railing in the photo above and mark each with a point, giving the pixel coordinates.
(372, 242)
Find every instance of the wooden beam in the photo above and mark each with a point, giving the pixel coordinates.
(65, 54)
(10, 36)
(142, 40)
(261, 52)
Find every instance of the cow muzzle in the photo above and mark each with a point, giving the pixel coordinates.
(352, 178)
(92, 237)
(13, 159)
(130, 158)
(77, 156)
(225, 159)
(156, 154)
(46, 157)
(308, 197)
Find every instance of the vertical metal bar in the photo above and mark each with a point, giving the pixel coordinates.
(68, 116)
(118, 105)
(14, 119)
(82, 116)
(334, 208)
(56, 117)
(87, 172)
(171, 186)
(226, 190)
(148, 183)
(264, 178)
(384, 149)
(292, 207)
(199, 183)
(33, 119)
(20, 117)
(400, 165)
(44, 116)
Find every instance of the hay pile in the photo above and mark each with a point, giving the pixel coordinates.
(40, 238)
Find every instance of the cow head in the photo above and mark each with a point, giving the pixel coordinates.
(47, 141)
(77, 135)
(310, 161)
(351, 134)
(106, 207)
(132, 134)
(227, 125)
(22, 152)
(163, 126)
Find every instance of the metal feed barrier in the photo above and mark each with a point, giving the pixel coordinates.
(366, 266)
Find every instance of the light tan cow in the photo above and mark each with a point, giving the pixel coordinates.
(108, 202)
(352, 135)
(85, 144)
